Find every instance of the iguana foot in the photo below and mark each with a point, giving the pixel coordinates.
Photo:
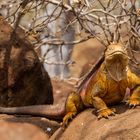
(133, 102)
(105, 113)
(67, 118)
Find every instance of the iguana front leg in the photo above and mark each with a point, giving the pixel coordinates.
(134, 99)
(95, 97)
(73, 106)
(102, 109)
(134, 85)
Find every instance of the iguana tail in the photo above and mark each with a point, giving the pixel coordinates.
(48, 111)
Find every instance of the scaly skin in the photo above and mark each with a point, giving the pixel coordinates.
(106, 87)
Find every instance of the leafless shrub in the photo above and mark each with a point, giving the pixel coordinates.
(106, 20)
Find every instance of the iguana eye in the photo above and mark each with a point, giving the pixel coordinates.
(110, 48)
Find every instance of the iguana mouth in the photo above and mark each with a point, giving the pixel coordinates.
(116, 53)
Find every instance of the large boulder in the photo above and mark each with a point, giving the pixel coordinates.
(23, 80)
(123, 126)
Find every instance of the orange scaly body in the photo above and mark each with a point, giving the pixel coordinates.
(108, 86)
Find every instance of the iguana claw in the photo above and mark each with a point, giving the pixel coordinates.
(105, 113)
(67, 118)
(133, 103)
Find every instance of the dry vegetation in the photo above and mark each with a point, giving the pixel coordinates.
(106, 20)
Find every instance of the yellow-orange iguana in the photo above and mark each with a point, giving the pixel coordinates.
(106, 87)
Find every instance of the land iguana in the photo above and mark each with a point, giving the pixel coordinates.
(106, 87)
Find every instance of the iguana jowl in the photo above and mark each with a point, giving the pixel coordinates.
(106, 87)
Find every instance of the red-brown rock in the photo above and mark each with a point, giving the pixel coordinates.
(23, 80)
(124, 126)
(20, 131)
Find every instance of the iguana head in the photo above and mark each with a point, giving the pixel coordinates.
(116, 61)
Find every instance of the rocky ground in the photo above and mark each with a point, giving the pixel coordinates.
(125, 125)
(16, 127)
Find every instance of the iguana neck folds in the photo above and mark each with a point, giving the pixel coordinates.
(116, 62)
